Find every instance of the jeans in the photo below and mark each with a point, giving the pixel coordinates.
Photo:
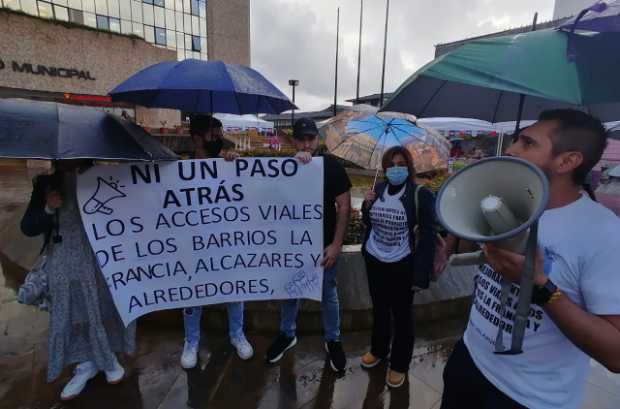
(329, 305)
(191, 321)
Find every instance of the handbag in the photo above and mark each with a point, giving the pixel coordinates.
(35, 290)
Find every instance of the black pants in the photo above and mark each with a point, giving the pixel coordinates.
(392, 297)
(466, 387)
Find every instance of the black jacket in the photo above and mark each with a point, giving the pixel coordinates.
(424, 251)
(36, 221)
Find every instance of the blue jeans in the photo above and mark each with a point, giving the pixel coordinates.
(329, 306)
(192, 315)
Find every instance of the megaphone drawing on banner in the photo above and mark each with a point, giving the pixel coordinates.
(105, 192)
(498, 200)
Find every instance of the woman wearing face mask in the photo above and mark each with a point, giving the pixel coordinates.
(397, 260)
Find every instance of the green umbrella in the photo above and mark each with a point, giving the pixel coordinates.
(485, 78)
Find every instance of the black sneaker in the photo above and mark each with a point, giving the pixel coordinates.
(337, 359)
(279, 346)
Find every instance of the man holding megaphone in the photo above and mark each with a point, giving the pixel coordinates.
(575, 311)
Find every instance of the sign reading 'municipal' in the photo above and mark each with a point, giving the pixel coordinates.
(196, 232)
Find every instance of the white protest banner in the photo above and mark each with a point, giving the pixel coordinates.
(196, 232)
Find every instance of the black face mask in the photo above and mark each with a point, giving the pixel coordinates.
(213, 148)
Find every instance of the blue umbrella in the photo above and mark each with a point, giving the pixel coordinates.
(48, 130)
(600, 17)
(198, 86)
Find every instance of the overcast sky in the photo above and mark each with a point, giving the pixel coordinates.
(297, 39)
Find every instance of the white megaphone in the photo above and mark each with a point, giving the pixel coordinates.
(498, 200)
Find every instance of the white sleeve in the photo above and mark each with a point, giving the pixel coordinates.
(600, 277)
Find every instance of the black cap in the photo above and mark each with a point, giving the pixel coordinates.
(304, 127)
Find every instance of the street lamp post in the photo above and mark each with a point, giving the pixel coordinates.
(293, 84)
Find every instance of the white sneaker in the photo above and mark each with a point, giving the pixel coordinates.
(116, 374)
(82, 373)
(189, 358)
(243, 347)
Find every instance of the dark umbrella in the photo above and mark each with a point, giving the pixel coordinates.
(48, 130)
(198, 86)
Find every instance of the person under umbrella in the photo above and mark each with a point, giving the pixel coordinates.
(207, 136)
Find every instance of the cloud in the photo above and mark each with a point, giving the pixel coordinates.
(297, 38)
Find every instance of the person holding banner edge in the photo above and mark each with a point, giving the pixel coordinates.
(575, 313)
(336, 209)
(399, 251)
(206, 133)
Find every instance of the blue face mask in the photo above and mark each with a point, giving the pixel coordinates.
(397, 175)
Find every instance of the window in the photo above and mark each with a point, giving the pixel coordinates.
(61, 13)
(203, 27)
(136, 11)
(170, 20)
(76, 16)
(60, 2)
(187, 23)
(45, 10)
(180, 54)
(160, 17)
(12, 4)
(203, 44)
(195, 43)
(29, 6)
(203, 9)
(170, 4)
(180, 41)
(138, 30)
(126, 27)
(179, 5)
(195, 25)
(90, 20)
(115, 25)
(147, 1)
(188, 42)
(101, 7)
(125, 9)
(160, 36)
(113, 8)
(147, 14)
(187, 6)
(103, 23)
(171, 39)
(149, 34)
(160, 3)
(74, 4)
(179, 21)
(195, 8)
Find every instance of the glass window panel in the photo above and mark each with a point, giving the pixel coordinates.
(203, 27)
(195, 25)
(103, 23)
(60, 2)
(148, 1)
(179, 5)
(147, 14)
(136, 11)
(76, 16)
(101, 7)
(160, 17)
(74, 4)
(159, 3)
(125, 9)
(188, 42)
(90, 20)
(187, 6)
(29, 6)
(171, 39)
(180, 54)
(170, 20)
(149, 34)
(115, 25)
(195, 9)
(113, 8)
(61, 13)
(126, 27)
(180, 41)
(88, 5)
(204, 56)
(203, 44)
(12, 4)
(203, 9)
(138, 30)
(45, 10)
(187, 23)
(160, 36)
(170, 4)
(179, 21)
(195, 43)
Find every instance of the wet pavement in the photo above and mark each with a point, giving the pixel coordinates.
(154, 379)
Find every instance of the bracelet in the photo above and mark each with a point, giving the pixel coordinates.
(555, 296)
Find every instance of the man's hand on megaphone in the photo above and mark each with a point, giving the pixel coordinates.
(510, 264)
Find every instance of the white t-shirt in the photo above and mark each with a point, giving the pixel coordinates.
(389, 237)
(581, 242)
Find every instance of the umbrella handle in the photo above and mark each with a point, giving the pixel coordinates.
(374, 182)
